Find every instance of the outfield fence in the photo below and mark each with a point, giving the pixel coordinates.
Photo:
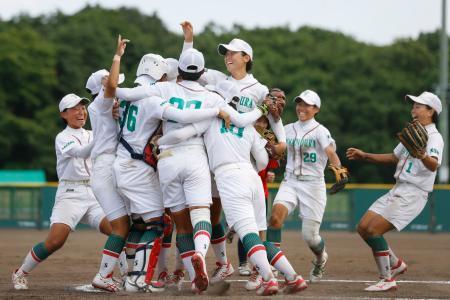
(30, 206)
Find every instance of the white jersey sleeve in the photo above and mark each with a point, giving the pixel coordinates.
(324, 138)
(212, 77)
(258, 150)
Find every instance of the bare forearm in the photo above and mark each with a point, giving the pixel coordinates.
(387, 159)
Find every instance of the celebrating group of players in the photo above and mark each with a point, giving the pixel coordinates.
(209, 153)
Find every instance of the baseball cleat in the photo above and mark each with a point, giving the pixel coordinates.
(399, 269)
(201, 276)
(175, 279)
(294, 286)
(382, 286)
(245, 269)
(19, 280)
(267, 288)
(254, 282)
(318, 269)
(105, 283)
(163, 277)
(221, 272)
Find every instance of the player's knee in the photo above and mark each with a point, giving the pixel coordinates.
(362, 230)
(54, 244)
(200, 214)
(310, 233)
(245, 226)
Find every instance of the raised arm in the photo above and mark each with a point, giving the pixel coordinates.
(113, 78)
(188, 32)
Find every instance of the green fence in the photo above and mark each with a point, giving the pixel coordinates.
(30, 206)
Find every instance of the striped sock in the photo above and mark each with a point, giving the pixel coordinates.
(274, 236)
(36, 255)
(132, 243)
(279, 261)
(185, 244)
(393, 259)
(318, 250)
(380, 251)
(123, 263)
(111, 252)
(257, 255)
(218, 243)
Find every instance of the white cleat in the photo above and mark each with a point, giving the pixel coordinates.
(245, 269)
(19, 281)
(318, 269)
(136, 284)
(176, 279)
(268, 288)
(382, 286)
(105, 283)
(399, 269)
(254, 282)
(221, 272)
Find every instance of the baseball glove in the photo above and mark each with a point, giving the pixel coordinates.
(414, 137)
(276, 106)
(341, 174)
(151, 151)
(271, 142)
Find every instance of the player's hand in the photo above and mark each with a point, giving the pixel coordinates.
(121, 45)
(226, 117)
(115, 110)
(355, 154)
(270, 177)
(188, 31)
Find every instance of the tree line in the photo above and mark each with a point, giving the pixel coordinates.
(362, 86)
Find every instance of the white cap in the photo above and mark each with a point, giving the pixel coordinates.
(173, 69)
(429, 99)
(236, 45)
(226, 89)
(94, 82)
(71, 100)
(153, 65)
(191, 61)
(310, 97)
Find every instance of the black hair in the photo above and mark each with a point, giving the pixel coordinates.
(249, 66)
(435, 116)
(190, 76)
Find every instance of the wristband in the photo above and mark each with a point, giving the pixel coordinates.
(116, 57)
(263, 108)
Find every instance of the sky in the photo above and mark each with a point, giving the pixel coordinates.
(377, 22)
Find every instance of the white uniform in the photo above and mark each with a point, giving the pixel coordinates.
(136, 180)
(304, 183)
(404, 202)
(75, 202)
(184, 176)
(252, 93)
(105, 130)
(239, 185)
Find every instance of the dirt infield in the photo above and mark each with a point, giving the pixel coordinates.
(350, 264)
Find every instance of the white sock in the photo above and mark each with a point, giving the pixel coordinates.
(201, 222)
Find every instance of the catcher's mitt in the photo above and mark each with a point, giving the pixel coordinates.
(414, 137)
(276, 106)
(271, 142)
(151, 151)
(341, 174)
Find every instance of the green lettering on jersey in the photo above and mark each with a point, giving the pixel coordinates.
(182, 104)
(246, 101)
(305, 143)
(310, 157)
(237, 131)
(131, 116)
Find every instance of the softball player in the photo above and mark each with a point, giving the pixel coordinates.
(75, 201)
(310, 145)
(404, 202)
(240, 190)
(190, 185)
(105, 130)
